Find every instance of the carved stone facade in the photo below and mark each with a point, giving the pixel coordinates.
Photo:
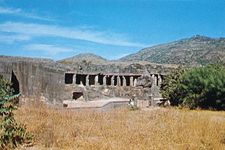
(42, 79)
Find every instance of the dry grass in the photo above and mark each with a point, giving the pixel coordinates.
(124, 129)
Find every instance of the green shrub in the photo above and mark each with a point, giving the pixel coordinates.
(202, 87)
(170, 84)
(12, 134)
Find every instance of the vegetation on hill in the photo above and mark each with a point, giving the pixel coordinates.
(12, 134)
(202, 87)
(197, 50)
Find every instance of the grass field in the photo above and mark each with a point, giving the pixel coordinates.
(123, 129)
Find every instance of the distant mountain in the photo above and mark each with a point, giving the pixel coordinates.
(85, 57)
(191, 51)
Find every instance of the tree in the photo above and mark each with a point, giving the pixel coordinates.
(169, 86)
(202, 87)
(12, 134)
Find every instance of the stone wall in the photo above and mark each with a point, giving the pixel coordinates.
(112, 85)
(37, 78)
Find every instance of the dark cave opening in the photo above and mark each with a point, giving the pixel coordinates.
(91, 79)
(77, 95)
(15, 84)
(100, 79)
(69, 78)
(108, 80)
(127, 80)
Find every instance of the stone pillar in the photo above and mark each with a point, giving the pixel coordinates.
(112, 80)
(154, 79)
(87, 80)
(131, 81)
(104, 80)
(96, 80)
(135, 82)
(118, 81)
(160, 79)
(74, 79)
(124, 81)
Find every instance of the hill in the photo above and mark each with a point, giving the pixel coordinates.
(85, 57)
(197, 50)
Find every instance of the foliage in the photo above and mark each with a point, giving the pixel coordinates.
(170, 85)
(11, 133)
(202, 87)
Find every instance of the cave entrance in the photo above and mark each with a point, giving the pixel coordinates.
(115, 80)
(91, 79)
(100, 79)
(69, 78)
(15, 84)
(80, 78)
(127, 80)
(121, 81)
(108, 80)
(77, 95)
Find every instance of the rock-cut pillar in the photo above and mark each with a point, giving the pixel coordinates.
(124, 81)
(131, 81)
(112, 80)
(135, 82)
(118, 81)
(159, 79)
(154, 79)
(87, 80)
(96, 80)
(104, 80)
(74, 79)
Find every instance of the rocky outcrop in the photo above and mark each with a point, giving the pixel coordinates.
(37, 77)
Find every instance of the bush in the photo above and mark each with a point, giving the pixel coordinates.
(202, 87)
(12, 134)
(170, 85)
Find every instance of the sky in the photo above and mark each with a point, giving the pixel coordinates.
(58, 29)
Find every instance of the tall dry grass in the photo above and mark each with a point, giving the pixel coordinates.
(123, 129)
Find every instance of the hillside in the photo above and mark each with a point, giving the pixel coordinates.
(191, 51)
(85, 57)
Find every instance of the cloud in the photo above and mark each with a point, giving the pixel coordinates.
(13, 38)
(9, 10)
(19, 12)
(50, 50)
(41, 30)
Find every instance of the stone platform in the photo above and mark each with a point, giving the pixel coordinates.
(102, 104)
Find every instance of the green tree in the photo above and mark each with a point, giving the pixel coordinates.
(12, 134)
(202, 87)
(170, 84)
